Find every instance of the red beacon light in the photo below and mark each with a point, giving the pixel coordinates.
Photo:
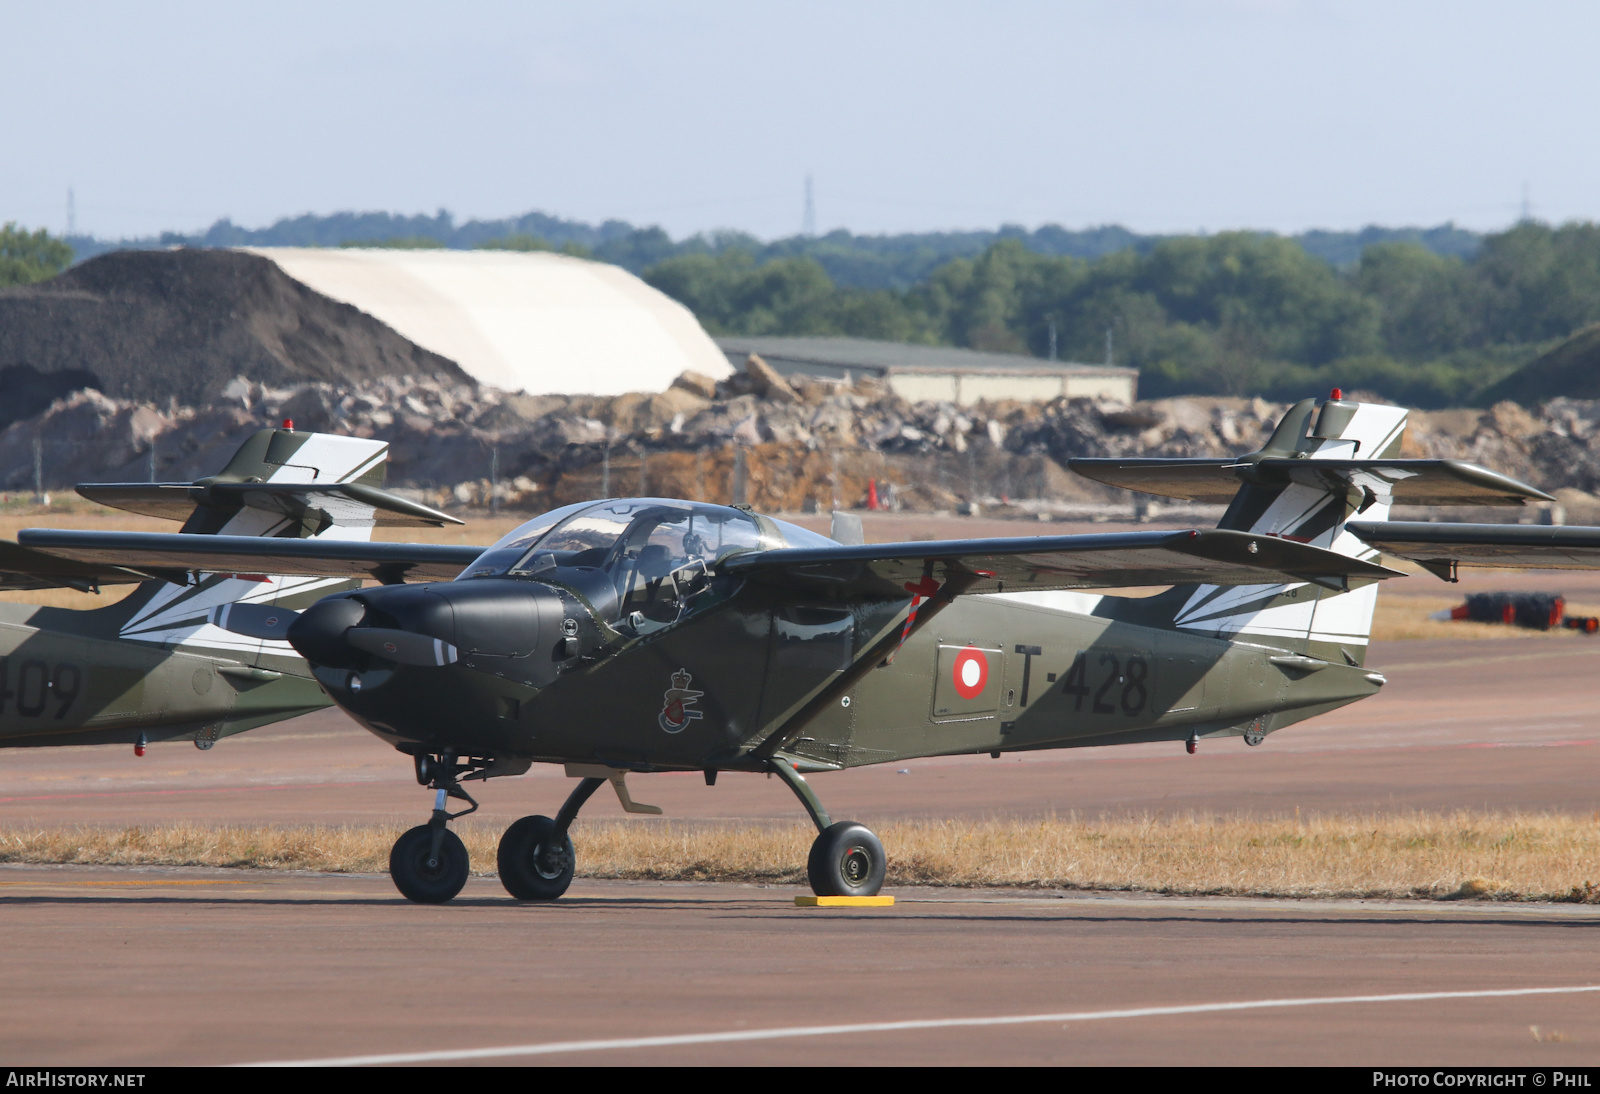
(288, 423)
(1336, 394)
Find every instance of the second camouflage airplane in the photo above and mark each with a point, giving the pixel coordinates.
(649, 634)
(161, 663)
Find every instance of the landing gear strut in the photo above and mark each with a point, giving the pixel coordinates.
(846, 859)
(536, 859)
(429, 862)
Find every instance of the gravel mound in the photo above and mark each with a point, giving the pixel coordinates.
(175, 327)
(1570, 370)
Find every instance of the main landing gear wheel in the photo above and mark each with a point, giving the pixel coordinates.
(846, 860)
(421, 875)
(535, 864)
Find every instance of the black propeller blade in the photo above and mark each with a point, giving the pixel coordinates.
(254, 620)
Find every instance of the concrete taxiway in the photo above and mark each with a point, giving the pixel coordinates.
(124, 966)
(199, 966)
(1500, 725)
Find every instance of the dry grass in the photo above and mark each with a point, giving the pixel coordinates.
(1458, 856)
(1401, 617)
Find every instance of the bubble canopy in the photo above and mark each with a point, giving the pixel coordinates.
(657, 535)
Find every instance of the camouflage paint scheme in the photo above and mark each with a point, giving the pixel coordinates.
(614, 638)
(772, 659)
(154, 666)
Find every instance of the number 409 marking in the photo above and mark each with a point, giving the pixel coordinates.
(1134, 681)
(37, 684)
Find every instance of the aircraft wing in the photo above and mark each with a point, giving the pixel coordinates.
(338, 502)
(157, 554)
(1442, 547)
(1408, 482)
(22, 568)
(981, 566)
(1057, 562)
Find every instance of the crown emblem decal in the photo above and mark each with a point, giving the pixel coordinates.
(676, 703)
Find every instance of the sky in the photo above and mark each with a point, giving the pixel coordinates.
(929, 115)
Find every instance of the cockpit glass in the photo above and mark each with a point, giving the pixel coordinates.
(583, 540)
(510, 548)
(796, 536)
(632, 538)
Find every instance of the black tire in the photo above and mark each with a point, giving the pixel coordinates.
(846, 860)
(533, 865)
(415, 878)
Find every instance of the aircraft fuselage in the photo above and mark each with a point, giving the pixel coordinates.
(987, 674)
(58, 687)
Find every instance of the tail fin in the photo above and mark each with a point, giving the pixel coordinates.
(280, 483)
(1310, 505)
(1324, 464)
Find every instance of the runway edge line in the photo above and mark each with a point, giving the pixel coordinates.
(550, 1048)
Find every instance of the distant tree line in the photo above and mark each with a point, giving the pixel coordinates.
(1235, 313)
(26, 257)
(1428, 316)
(850, 260)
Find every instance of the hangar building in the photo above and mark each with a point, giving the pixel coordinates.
(938, 373)
(535, 322)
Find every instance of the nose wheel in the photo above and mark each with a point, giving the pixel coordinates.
(426, 875)
(429, 864)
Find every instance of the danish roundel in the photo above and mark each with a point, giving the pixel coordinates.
(970, 672)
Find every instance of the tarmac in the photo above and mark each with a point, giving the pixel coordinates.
(159, 966)
(1512, 724)
(147, 967)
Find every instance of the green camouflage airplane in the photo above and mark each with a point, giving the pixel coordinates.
(162, 663)
(649, 634)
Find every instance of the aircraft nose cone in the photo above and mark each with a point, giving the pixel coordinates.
(319, 632)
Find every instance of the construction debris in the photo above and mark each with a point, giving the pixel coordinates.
(781, 444)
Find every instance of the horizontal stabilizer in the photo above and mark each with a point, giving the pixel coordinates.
(1442, 547)
(340, 503)
(1207, 481)
(163, 555)
(1057, 562)
(1408, 482)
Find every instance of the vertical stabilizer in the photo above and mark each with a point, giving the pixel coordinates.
(1310, 505)
(178, 615)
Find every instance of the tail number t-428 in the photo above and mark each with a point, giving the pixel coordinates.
(1119, 681)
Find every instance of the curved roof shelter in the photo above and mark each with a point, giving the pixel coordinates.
(535, 322)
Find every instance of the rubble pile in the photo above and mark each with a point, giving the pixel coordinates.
(782, 444)
(154, 325)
